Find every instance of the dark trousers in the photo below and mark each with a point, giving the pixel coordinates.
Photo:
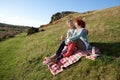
(60, 48)
(58, 52)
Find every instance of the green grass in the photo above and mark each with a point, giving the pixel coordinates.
(9, 55)
(21, 57)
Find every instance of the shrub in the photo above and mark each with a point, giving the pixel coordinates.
(32, 30)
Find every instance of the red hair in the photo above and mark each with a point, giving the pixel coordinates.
(80, 23)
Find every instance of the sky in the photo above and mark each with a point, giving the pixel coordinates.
(37, 12)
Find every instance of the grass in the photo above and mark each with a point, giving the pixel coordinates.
(9, 52)
(21, 57)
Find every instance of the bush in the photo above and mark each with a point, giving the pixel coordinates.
(32, 30)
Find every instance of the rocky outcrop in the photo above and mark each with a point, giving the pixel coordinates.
(60, 15)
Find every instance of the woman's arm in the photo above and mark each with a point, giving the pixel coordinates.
(77, 36)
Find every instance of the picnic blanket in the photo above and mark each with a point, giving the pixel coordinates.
(67, 61)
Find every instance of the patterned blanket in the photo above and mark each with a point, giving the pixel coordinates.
(67, 61)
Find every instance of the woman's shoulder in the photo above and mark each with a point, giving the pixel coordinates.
(85, 31)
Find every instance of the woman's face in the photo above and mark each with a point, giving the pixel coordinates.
(76, 25)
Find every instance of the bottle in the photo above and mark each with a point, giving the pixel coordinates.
(93, 50)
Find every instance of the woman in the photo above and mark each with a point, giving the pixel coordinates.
(80, 34)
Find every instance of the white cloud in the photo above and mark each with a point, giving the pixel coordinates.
(17, 20)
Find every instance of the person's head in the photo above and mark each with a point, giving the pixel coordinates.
(70, 23)
(79, 23)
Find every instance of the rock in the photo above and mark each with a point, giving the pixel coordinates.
(60, 15)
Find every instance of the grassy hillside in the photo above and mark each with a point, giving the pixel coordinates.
(21, 57)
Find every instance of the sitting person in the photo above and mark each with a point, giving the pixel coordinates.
(63, 44)
(70, 33)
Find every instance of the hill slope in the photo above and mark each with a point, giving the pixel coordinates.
(21, 57)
